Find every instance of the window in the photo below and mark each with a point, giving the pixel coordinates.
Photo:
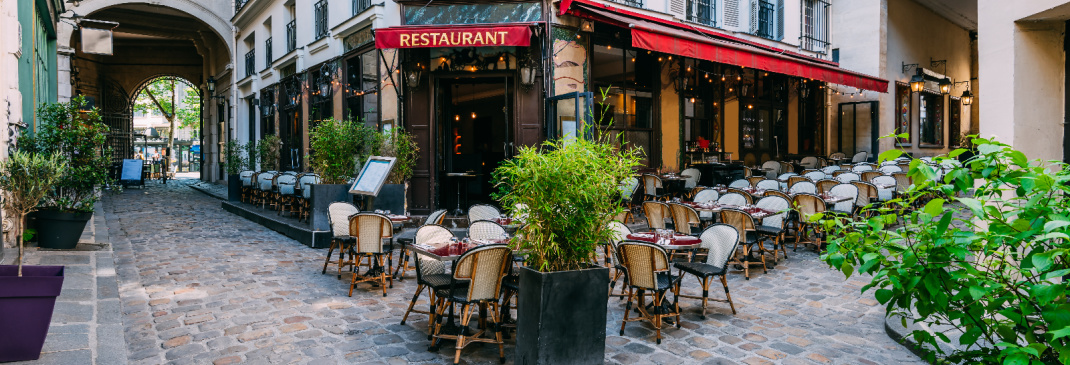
(267, 53)
(360, 5)
(931, 120)
(627, 106)
(321, 92)
(767, 19)
(291, 36)
(362, 88)
(267, 111)
(703, 102)
(635, 3)
(702, 12)
(815, 26)
(250, 62)
(321, 19)
(811, 118)
(954, 121)
(903, 104)
(473, 13)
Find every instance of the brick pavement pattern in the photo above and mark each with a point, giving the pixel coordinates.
(199, 285)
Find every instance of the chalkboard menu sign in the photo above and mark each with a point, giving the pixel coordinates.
(131, 172)
(372, 176)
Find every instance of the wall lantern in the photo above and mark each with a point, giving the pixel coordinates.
(414, 73)
(211, 85)
(527, 76)
(945, 86)
(917, 82)
(967, 97)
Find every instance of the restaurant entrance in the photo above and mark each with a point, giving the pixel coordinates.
(475, 119)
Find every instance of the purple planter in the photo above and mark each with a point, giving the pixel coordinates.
(26, 305)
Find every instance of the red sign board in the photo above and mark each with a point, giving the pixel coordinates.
(454, 36)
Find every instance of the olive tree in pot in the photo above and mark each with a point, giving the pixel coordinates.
(77, 135)
(336, 146)
(27, 294)
(402, 146)
(567, 190)
(234, 163)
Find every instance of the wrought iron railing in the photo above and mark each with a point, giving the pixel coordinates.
(291, 36)
(321, 19)
(359, 6)
(633, 3)
(267, 53)
(238, 4)
(702, 12)
(250, 62)
(766, 17)
(815, 26)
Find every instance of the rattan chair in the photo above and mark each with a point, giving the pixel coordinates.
(902, 182)
(692, 181)
(741, 183)
(653, 187)
(731, 198)
(771, 168)
(860, 157)
(430, 273)
(815, 175)
(246, 185)
(809, 162)
(768, 185)
(888, 193)
(706, 195)
(828, 170)
(338, 214)
(848, 177)
(847, 190)
(436, 217)
(476, 281)
(720, 242)
(287, 198)
(754, 180)
(264, 186)
(748, 239)
(486, 231)
(786, 168)
(804, 187)
(746, 195)
(890, 169)
(797, 179)
(656, 213)
(647, 268)
(824, 186)
(685, 219)
(620, 233)
(775, 226)
(869, 175)
(483, 212)
(370, 229)
(862, 167)
(837, 156)
(867, 194)
(776, 193)
(305, 207)
(807, 205)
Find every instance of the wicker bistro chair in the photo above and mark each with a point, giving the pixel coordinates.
(768, 185)
(889, 169)
(370, 229)
(656, 212)
(748, 238)
(867, 194)
(828, 170)
(776, 193)
(483, 212)
(809, 162)
(848, 177)
(436, 217)
(775, 226)
(902, 182)
(736, 199)
(798, 179)
(705, 196)
(246, 185)
(888, 193)
(305, 206)
(804, 187)
(653, 188)
(844, 207)
(265, 182)
(807, 205)
(754, 180)
(746, 196)
(860, 157)
(692, 181)
(647, 267)
(786, 168)
(338, 214)
(628, 189)
(741, 183)
(720, 242)
(430, 273)
(482, 270)
(287, 198)
(620, 233)
(824, 186)
(869, 175)
(771, 168)
(685, 219)
(815, 175)
(486, 231)
(862, 167)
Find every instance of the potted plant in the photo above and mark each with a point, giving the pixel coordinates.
(402, 146)
(27, 294)
(77, 136)
(337, 147)
(568, 189)
(235, 161)
(268, 152)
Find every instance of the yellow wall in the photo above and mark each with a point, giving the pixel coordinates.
(670, 124)
(731, 128)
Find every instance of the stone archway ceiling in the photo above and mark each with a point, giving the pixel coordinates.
(961, 12)
(140, 21)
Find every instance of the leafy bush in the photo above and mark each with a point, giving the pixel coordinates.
(995, 272)
(402, 146)
(253, 156)
(25, 179)
(77, 136)
(235, 159)
(268, 152)
(338, 146)
(569, 189)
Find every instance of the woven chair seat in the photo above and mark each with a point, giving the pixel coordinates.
(437, 281)
(700, 269)
(511, 282)
(752, 237)
(666, 280)
(769, 231)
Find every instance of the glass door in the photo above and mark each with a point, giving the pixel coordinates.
(569, 115)
(857, 128)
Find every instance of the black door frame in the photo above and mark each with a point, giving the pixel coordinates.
(874, 120)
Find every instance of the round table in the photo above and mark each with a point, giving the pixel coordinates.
(460, 177)
(677, 242)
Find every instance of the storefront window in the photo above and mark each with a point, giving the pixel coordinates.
(362, 88)
(321, 93)
(473, 13)
(623, 97)
(811, 118)
(702, 103)
(472, 59)
(903, 102)
(931, 119)
(954, 121)
(267, 111)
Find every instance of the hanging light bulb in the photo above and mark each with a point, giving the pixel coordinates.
(692, 100)
(473, 115)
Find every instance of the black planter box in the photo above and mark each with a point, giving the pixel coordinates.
(233, 188)
(321, 197)
(60, 230)
(561, 316)
(391, 197)
(26, 305)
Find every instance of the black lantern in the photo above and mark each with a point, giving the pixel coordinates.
(528, 71)
(211, 84)
(945, 86)
(967, 97)
(917, 82)
(414, 73)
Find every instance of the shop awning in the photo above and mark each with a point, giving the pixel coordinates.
(684, 40)
(454, 36)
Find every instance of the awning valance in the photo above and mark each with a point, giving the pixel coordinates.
(453, 36)
(683, 40)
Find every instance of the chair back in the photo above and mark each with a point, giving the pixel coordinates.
(436, 217)
(682, 218)
(656, 212)
(692, 180)
(798, 179)
(778, 204)
(643, 262)
(869, 175)
(741, 183)
(338, 214)
(815, 175)
(486, 231)
(739, 220)
(866, 193)
(620, 232)
(754, 180)
(246, 178)
(651, 184)
(845, 190)
(768, 185)
(889, 169)
(483, 212)
(720, 241)
(706, 195)
(837, 155)
(308, 179)
(776, 193)
(771, 168)
(809, 162)
(746, 196)
(884, 180)
(731, 198)
(860, 157)
(369, 229)
(628, 188)
(848, 177)
(861, 168)
(484, 267)
(432, 233)
(287, 184)
(823, 186)
(265, 181)
(803, 187)
(902, 182)
(808, 205)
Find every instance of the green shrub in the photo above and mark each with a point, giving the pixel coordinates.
(78, 137)
(268, 152)
(234, 157)
(338, 147)
(25, 179)
(402, 146)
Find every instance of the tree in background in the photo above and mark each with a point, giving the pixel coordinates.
(161, 95)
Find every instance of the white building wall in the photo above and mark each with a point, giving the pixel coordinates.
(10, 51)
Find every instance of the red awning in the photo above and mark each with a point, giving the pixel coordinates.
(453, 36)
(680, 39)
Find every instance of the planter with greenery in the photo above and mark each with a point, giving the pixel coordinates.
(570, 189)
(235, 161)
(77, 136)
(27, 294)
(402, 146)
(267, 152)
(336, 147)
(996, 275)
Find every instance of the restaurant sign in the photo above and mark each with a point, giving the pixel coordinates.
(431, 37)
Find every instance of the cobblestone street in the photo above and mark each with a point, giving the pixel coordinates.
(199, 285)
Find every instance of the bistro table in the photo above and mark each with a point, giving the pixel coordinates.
(677, 242)
(675, 183)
